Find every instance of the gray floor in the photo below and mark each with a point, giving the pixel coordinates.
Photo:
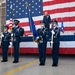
(66, 66)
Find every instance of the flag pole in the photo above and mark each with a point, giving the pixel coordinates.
(52, 41)
(28, 12)
(27, 5)
(11, 30)
(31, 22)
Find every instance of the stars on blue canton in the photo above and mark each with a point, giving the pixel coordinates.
(20, 10)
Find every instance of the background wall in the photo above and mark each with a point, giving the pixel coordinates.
(2, 14)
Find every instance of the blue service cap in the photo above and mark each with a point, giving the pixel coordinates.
(16, 21)
(6, 27)
(54, 21)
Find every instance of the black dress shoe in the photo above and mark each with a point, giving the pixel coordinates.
(4, 60)
(41, 64)
(15, 61)
(54, 65)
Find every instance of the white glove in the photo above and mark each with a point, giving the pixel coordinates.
(50, 26)
(11, 34)
(9, 31)
(37, 38)
(51, 42)
(2, 35)
(53, 32)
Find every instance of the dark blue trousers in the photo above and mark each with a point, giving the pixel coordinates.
(55, 52)
(16, 51)
(5, 46)
(42, 52)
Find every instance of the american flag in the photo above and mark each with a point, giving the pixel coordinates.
(58, 9)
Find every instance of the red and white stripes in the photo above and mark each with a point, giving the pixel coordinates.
(59, 10)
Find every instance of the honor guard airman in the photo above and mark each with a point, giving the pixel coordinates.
(56, 42)
(6, 36)
(16, 33)
(47, 20)
(42, 42)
